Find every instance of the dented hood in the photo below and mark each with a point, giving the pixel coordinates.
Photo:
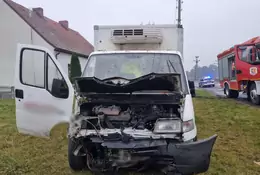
(149, 82)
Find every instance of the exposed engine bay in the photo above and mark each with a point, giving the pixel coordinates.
(123, 116)
(120, 123)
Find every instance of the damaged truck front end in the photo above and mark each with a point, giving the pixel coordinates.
(136, 124)
(110, 152)
(169, 155)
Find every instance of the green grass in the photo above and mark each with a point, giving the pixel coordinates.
(237, 126)
(235, 151)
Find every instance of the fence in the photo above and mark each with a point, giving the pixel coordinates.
(6, 92)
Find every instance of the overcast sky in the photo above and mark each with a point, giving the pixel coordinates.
(210, 26)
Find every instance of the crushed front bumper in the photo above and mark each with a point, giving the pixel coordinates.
(184, 158)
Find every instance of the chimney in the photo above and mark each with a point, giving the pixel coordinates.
(39, 11)
(64, 24)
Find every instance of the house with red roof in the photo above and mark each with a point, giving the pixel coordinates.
(19, 24)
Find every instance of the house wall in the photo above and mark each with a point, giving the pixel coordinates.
(65, 59)
(13, 30)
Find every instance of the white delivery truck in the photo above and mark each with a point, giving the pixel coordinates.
(134, 106)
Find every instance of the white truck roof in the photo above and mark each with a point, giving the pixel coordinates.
(136, 51)
(166, 37)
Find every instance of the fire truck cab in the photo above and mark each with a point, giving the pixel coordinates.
(239, 70)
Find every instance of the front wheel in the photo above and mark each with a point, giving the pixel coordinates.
(254, 98)
(76, 163)
(230, 93)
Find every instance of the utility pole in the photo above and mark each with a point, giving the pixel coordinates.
(179, 9)
(196, 66)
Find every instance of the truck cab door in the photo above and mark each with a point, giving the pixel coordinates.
(43, 92)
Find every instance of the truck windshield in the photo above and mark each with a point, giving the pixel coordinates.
(133, 65)
(249, 54)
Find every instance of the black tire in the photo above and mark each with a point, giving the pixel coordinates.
(234, 94)
(226, 91)
(230, 93)
(76, 163)
(254, 98)
(248, 94)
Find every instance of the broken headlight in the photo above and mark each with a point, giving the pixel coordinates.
(167, 126)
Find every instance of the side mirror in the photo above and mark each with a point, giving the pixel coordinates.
(59, 88)
(239, 71)
(192, 88)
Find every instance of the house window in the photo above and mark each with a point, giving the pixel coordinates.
(32, 68)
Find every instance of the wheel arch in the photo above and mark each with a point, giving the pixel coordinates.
(226, 83)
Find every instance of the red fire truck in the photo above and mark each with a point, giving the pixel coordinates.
(239, 70)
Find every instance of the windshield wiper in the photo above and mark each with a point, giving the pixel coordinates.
(170, 65)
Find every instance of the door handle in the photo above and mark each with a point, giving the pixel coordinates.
(19, 93)
(239, 72)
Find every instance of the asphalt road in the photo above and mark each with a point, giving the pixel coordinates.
(218, 91)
